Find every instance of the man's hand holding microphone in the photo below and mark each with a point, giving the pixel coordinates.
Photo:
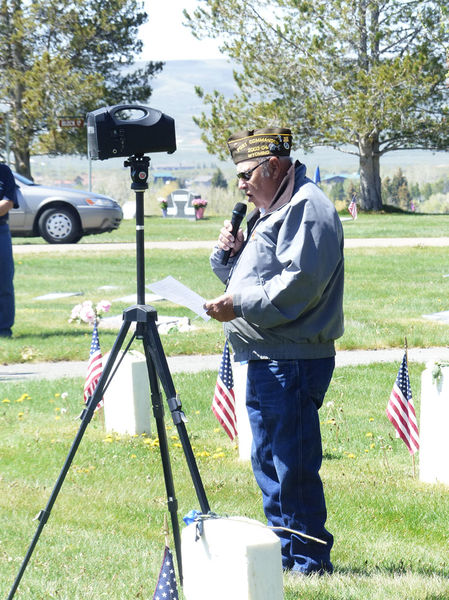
(230, 241)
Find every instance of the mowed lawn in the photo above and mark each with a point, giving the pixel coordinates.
(105, 536)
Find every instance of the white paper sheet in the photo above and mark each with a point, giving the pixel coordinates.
(175, 291)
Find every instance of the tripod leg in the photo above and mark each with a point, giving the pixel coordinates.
(86, 417)
(158, 412)
(153, 349)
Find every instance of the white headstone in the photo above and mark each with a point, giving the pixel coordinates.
(235, 558)
(127, 399)
(245, 436)
(434, 417)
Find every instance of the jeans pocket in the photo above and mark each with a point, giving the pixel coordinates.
(318, 375)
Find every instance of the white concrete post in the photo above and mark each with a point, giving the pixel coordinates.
(245, 436)
(434, 417)
(127, 399)
(235, 558)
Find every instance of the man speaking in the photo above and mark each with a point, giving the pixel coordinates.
(282, 311)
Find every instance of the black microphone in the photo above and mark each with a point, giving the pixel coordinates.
(239, 211)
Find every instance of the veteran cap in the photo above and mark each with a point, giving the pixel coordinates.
(248, 144)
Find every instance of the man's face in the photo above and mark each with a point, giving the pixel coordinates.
(259, 189)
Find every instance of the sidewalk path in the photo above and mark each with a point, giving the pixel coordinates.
(21, 249)
(195, 364)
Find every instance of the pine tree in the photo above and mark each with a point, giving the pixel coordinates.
(65, 58)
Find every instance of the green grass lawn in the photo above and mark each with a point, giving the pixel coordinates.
(387, 292)
(104, 538)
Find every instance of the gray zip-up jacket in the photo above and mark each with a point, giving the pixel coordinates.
(287, 280)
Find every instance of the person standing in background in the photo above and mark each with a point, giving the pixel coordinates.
(8, 200)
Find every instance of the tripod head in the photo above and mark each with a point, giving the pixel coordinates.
(139, 171)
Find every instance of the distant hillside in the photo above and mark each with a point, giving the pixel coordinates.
(174, 94)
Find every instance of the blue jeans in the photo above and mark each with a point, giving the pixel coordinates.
(6, 282)
(283, 398)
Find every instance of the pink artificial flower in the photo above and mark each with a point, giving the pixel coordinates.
(103, 306)
(75, 313)
(87, 312)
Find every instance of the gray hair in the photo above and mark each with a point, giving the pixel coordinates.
(265, 168)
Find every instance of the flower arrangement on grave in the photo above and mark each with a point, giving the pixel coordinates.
(162, 203)
(87, 312)
(199, 202)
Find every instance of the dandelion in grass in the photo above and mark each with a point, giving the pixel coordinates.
(27, 354)
(218, 455)
(6, 401)
(20, 415)
(203, 454)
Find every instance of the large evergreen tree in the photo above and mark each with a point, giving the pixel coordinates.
(65, 58)
(362, 76)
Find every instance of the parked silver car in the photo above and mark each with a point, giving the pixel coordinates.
(61, 215)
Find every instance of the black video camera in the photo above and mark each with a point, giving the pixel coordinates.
(124, 130)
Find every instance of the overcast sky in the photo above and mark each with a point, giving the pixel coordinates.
(165, 38)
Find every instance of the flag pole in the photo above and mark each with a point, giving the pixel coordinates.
(166, 531)
(406, 358)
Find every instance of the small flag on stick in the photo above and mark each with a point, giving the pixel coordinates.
(353, 207)
(223, 404)
(400, 409)
(94, 367)
(166, 588)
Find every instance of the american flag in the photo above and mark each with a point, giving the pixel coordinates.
(223, 404)
(94, 368)
(353, 207)
(400, 409)
(166, 588)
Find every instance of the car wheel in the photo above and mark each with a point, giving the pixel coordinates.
(59, 226)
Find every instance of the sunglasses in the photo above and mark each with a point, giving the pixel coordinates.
(246, 175)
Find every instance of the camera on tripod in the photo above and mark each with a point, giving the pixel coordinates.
(127, 129)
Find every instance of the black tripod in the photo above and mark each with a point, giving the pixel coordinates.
(145, 318)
